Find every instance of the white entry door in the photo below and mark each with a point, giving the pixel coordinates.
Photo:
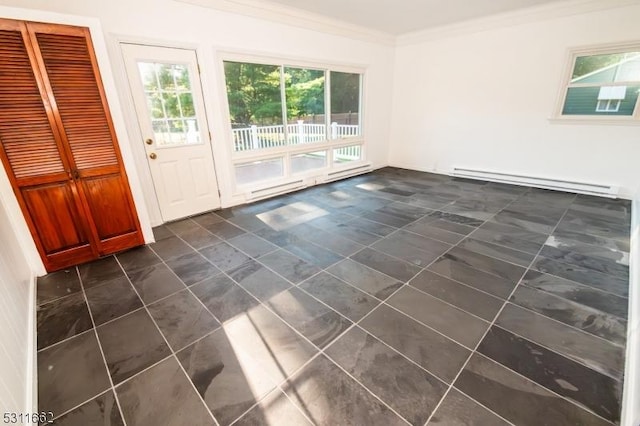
(166, 90)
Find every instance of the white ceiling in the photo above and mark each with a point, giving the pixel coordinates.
(403, 16)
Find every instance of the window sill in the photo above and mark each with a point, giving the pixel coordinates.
(598, 121)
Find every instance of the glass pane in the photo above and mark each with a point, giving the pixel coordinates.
(170, 103)
(345, 105)
(585, 100)
(609, 68)
(304, 90)
(255, 105)
(256, 171)
(347, 154)
(308, 161)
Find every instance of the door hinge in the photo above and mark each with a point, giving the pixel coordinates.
(219, 193)
(210, 138)
(198, 66)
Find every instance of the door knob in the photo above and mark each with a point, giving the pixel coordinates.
(153, 156)
(149, 141)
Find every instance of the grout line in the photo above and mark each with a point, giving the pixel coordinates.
(173, 354)
(104, 359)
(495, 318)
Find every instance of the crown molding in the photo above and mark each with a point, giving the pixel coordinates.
(508, 19)
(264, 9)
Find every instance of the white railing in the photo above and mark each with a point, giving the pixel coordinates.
(347, 153)
(254, 137)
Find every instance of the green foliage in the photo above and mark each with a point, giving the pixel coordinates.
(345, 92)
(588, 64)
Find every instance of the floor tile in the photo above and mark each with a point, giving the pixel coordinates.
(456, 219)
(457, 270)
(579, 316)
(349, 301)
(332, 242)
(199, 238)
(459, 409)
(131, 344)
(235, 366)
(403, 210)
(311, 318)
(252, 245)
(517, 399)
(111, 300)
(313, 253)
(528, 222)
(511, 237)
(605, 243)
(192, 268)
(155, 282)
(224, 230)
(563, 376)
(605, 282)
(102, 410)
(364, 278)
(224, 298)
(289, 266)
(162, 395)
(442, 357)
(604, 266)
(61, 319)
(182, 319)
(448, 320)
(138, 258)
(487, 264)
(499, 252)
(599, 252)
(597, 226)
(371, 227)
(412, 248)
(587, 349)
(224, 256)
(161, 232)
(275, 409)
(395, 268)
(56, 285)
(99, 271)
(70, 373)
(182, 226)
(170, 248)
(291, 215)
(429, 231)
(571, 290)
(328, 396)
(464, 297)
(387, 219)
(408, 389)
(258, 280)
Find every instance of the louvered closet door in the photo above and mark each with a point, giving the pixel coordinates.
(33, 156)
(72, 78)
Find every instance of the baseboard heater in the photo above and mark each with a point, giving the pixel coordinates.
(538, 182)
(353, 171)
(275, 190)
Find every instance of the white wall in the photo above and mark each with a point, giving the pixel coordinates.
(212, 31)
(17, 313)
(483, 100)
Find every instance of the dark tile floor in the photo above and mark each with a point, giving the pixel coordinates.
(391, 298)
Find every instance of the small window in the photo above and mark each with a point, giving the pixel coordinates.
(603, 84)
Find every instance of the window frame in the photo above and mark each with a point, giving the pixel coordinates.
(572, 54)
(287, 151)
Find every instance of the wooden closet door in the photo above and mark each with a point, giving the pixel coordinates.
(67, 61)
(33, 156)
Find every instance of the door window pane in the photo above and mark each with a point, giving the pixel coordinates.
(345, 105)
(304, 90)
(347, 154)
(308, 161)
(167, 88)
(256, 171)
(255, 105)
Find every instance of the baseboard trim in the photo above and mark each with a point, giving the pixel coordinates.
(631, 390)
(32, 351)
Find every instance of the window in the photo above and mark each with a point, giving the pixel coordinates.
(603, 84)
(276, 110)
